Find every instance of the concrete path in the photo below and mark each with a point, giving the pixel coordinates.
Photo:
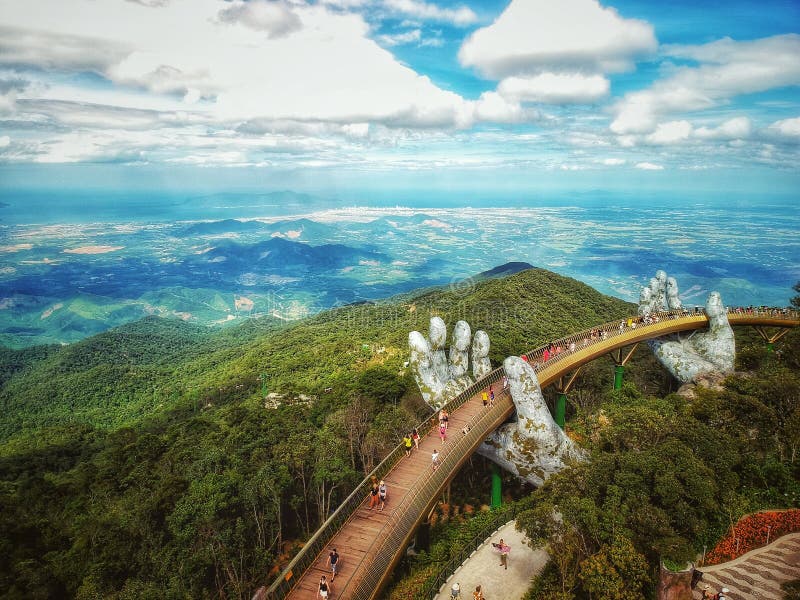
(758, 574)
(483, 568)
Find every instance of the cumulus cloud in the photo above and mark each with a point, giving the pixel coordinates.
(614, 162)
(678, 132)
(727, 69)
(460, 17)
(274, 17)
(536, 36)
(555, 88)
(787, 128)
(733, 129)
(672, 132)
(495, 108)
(648, 166)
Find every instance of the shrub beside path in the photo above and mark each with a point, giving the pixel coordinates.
(483, 568)
(757, 575)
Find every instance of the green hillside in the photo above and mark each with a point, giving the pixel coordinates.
(115, 378)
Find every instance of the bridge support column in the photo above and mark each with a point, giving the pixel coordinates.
(619, 373)
(564, 385)
(771, 338)
(561, 409)
(619, 364)
(497, 487)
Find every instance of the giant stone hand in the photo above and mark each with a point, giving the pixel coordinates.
(533, 447)
(438, 380)
(699, 353)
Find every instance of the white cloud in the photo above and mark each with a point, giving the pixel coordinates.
(54, 49)
(728, 69)
(4, 141)
(683, 132)
(8, 102)
(614, 162)
(535, 36)
(345, 3)
(461, 16)
(733, 129)
(789, 128)
(648, 166)
(555, 88)
(327, 70)
(433, 42)
(672, 132)
(495, 108)
(398, 39)
(150, 3)
(274, 17)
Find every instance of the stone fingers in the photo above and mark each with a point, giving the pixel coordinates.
(481, 365)
(428, 380)
(437, 334)
(459, 350)
(673, 300)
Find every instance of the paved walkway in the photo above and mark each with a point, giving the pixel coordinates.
(757, 575)
(483, 568)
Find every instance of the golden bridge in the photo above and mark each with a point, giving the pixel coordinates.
(371, 543)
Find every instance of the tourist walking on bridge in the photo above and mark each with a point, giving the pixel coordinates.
(382, 493)
(324, 588)
(333, 561)
(373, 495)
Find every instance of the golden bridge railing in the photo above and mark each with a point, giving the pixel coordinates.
(588, 344)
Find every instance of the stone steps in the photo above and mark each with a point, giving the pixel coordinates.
(757, 575)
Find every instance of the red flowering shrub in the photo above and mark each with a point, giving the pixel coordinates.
(751, 532)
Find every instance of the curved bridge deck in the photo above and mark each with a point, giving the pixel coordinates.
(371, 543)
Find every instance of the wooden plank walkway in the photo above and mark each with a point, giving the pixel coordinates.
(354, 541)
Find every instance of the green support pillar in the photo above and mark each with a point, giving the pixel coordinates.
(497, 487)
(619, 371)
(561, 409)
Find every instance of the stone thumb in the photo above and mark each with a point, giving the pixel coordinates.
(525, 390)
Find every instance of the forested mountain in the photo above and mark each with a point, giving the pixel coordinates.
(145, 462)
(114, 378)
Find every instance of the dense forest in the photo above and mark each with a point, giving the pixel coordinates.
(162, 460)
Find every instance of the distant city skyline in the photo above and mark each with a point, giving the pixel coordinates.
(381, 95)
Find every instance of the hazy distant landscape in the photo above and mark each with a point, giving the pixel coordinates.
(221, 259)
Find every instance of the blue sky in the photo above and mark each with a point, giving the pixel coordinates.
(381, 95)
